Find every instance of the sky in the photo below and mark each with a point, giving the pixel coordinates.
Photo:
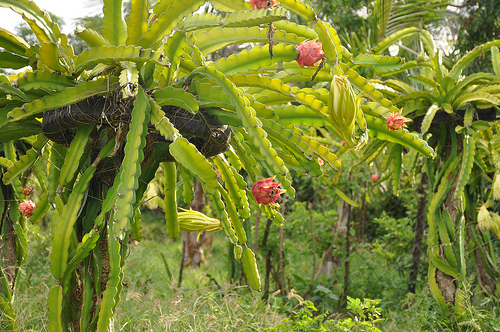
(69, 10)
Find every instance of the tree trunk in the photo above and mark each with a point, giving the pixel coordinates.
(313, 240)
(445, 282)
(329, 261)
(343, 301)
(419, 233)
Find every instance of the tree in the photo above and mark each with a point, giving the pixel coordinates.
(142, 94)
(457, 114)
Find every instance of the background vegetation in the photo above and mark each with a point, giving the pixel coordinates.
(355, 251)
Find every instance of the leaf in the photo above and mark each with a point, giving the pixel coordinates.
(67, 97)
(137, 22)
(170, 199)
(250, 268)
(495, 60)
(12, 43)
(384, 44)
(42, 207)
(14, 92)
(109, 54)
(424, 80)
(345, 198)
(368, 89)
(215, 39)
(43, 80)
(380, 64)
(130, 169)
(299, 115)
(234, 216)
(460, 65)
(167, 19)
(173, 50)
(63, 225)
(91, 37)
(54, 304)
(300, 95)
(435, 291)
(292, 144)
(230, 5)
(443, 265)
(199, 21)
(12, 61)
(378, 129)
(428, 42)
(25, 161)
(429, 116)
(249, 120)
(299, 8)
(74, 154)
(45, 30)
(15, 131)
(322, 152)
(475, 96)
(108, 298)
(426, 96)
(162, 123)
(255, 59)
(469, 150)
(176, 97)
(249, 18)
(330, 40)
(114, 26)
(221, 213)
(235, 186)
(461, 87)
(188, 156)
(49, 56)
(81, 252)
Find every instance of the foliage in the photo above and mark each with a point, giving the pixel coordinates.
(365, 312)
(479, 23)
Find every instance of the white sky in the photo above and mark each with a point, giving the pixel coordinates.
(69, 10)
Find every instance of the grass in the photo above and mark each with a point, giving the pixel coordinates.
(152, 301)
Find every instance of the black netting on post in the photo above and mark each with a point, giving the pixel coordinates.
(205, 131)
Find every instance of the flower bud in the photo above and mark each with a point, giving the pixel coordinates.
(496, 224)
(310, 52)
(26, 208)
(484, 219)
(194, 221)
(496, 187)
(344, 108)
(27, 191)
(395, 121)
(266, 192)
